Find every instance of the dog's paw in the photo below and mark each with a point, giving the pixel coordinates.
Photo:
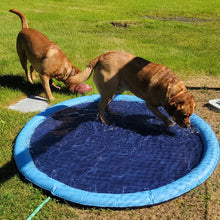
(55, 86)
(103, 119)
(82, 88)
(170, 123)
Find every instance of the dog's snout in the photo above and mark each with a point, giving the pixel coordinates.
(188, 125)
(184, 123)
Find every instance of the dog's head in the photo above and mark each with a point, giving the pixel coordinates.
(72, 81)
(181, 108)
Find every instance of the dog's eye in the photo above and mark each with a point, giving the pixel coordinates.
(186, 115)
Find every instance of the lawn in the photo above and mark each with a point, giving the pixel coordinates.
(183, 35)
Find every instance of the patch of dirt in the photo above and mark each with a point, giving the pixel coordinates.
(181, 19)
(119, 24)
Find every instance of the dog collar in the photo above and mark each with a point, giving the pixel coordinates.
(179, 94)
(71, 73)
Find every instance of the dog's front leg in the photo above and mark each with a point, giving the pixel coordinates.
(46, 84)
(162, 117)
(53, 84)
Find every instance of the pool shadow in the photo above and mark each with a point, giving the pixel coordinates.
(7, 171)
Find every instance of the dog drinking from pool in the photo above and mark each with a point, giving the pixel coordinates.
(156, 84)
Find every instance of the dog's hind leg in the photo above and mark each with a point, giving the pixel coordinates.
(23, 60)
(104, 105)
(33, 77)
(107, 83)
(107, 94)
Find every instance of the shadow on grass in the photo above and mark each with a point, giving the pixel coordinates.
(203, 88)
(20, 83)
(7, 171)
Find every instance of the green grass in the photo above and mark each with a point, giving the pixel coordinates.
(83, 30)
(161, 31)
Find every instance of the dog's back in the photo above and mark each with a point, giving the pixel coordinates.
(31, 41)
(142, 77)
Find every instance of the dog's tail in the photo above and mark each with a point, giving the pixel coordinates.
(86, 73)
(22, 17)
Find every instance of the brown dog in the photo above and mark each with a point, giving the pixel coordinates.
(115, 72)
(45, 57)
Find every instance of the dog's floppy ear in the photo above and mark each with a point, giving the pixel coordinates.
(172, 107)
(180, 106)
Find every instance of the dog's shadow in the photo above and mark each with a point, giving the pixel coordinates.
(20, 83)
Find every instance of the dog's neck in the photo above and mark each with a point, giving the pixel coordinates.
(178, 94)
(70, 74)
